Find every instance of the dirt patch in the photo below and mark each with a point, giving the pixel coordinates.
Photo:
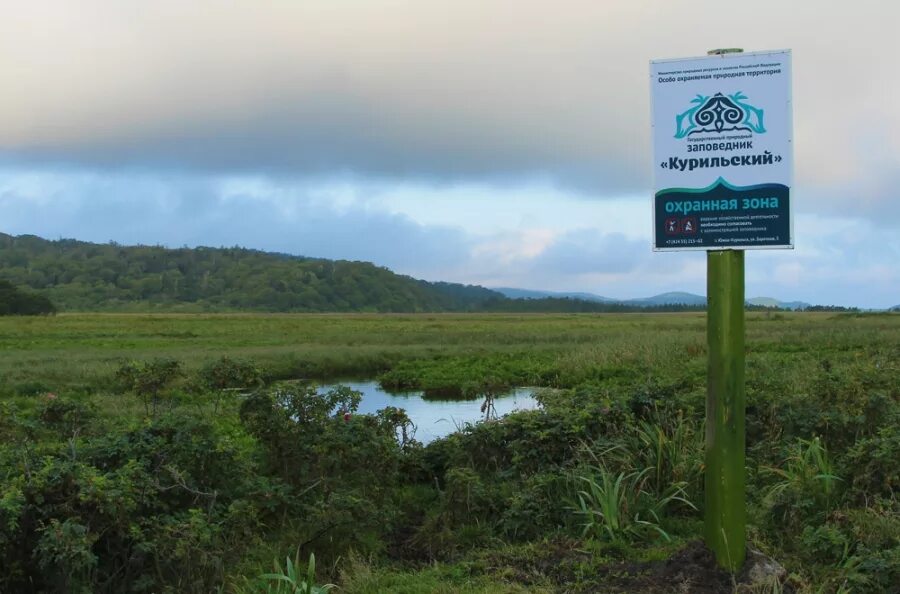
(558, 560)
(691, 570)
(564, 566)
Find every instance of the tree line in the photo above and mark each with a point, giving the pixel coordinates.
(81, 276)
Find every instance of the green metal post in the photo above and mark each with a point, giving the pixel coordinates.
(725, 522)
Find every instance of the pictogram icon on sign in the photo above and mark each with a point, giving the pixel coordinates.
(672, 226)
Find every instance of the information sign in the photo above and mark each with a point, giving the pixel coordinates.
(722, 145)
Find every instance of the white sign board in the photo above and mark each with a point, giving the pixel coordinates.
(722, 146)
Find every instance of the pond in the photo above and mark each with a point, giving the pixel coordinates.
(432, 417)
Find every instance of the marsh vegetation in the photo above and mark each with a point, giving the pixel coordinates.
(189, 453)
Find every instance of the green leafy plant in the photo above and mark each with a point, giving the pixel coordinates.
(617, 506)
(286, 580)
(672, 451)
(805, 484)
(65, 555)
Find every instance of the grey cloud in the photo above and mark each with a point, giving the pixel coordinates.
(873, 195)
(589, 251)
(414, 89)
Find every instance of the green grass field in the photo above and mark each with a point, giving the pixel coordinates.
(559, 350)
(102, 493)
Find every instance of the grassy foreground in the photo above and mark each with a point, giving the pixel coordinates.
(200, 480)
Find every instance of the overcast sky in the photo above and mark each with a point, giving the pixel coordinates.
(503, 143)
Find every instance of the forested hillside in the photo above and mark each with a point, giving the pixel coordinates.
(82, 276)
(14, 302)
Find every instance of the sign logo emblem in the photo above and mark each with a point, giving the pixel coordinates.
(718, 114)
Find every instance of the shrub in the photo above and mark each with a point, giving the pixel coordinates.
(134, 509)
(65, 415)
(871, 464)
(343, 467)
(148, 379)
(227, 375)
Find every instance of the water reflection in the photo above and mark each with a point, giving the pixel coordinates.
(432, 416)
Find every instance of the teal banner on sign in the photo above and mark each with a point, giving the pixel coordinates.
(723, 216)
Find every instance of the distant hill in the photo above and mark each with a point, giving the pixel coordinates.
(661, 300)
(771, 302)
(673, 298)
(82, 276)
(533, 294)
